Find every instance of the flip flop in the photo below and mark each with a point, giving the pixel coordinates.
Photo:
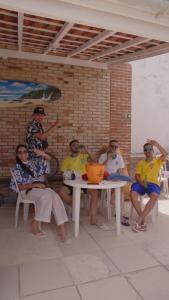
(42, 234)
(125, 223)
(103, 227)
(67, 241)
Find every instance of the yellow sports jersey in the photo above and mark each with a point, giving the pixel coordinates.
(149, 170)
(75, 163)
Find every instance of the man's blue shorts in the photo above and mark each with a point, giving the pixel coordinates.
(141, 190)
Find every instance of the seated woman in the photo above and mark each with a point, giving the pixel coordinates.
(29, 175)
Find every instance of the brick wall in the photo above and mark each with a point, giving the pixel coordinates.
(120, 107)
(85, 105)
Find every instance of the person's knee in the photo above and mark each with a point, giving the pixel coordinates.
(93, 193)
(154, 197)
(134, 196)
(63, 191)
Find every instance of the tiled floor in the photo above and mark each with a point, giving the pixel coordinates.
(97, 265)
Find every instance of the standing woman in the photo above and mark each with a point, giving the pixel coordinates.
(28, 174)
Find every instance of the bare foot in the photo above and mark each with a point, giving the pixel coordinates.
(62, 232)
(35, 227)
(93, 221)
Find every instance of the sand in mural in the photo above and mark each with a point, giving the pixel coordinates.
(17, 92)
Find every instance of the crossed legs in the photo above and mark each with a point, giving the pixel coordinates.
(142, 214)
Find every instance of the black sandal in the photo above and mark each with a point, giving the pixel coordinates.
(125, 222)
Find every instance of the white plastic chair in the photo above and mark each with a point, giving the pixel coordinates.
(154, 211)
(21, 199)
(105, 201)
(163, 178)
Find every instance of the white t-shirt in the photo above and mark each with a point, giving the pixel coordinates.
(112, 165)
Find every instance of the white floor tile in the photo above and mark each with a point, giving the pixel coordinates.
(20, 245)
(109, 239)
(89, 267)
(160, 250)
(84, 243)
(130, 258)
(108, 289)
(43, 276)
(69, 293)
(151, 283)
(9, 283)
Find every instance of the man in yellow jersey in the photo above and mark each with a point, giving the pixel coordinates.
(147, 182)
(76, 162)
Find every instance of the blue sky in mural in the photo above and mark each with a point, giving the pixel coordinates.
(15, 89)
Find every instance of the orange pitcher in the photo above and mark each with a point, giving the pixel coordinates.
(95, 172)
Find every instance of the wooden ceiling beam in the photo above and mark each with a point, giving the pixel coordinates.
(98, 38)
(51, 59)
(63, 31)
(122, 46)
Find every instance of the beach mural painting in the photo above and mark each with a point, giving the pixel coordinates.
(18, 92)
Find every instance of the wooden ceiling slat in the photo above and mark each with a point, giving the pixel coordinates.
(8, 39)
(38, 35)
(8, 29)
(33, 43)
(33, 39)
(37, 20)
(8, 13)
(39, 29)
(9, 23)
(86, 30)
(78, 36)
(9, 35)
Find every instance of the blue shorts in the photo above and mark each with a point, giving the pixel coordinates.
(141, 190)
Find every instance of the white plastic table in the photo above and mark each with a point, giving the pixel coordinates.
(106, 185)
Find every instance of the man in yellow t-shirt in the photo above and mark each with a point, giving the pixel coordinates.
(147, 182)
(76, 162)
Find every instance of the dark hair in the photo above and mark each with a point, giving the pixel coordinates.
(73, 141)
(24, 167)
(147, 144)
(113, 141)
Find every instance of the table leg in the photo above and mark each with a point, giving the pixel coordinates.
(117, 208)
(108, 204)
(76, 209)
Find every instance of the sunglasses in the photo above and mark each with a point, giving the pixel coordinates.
(22, 152)
(114, 146)
(148, 149)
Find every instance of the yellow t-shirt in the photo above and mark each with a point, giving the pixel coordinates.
(77, 163)
(149, 170)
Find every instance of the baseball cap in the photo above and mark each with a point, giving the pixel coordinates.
(39, 110)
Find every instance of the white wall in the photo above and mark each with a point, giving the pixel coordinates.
(150, 101)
